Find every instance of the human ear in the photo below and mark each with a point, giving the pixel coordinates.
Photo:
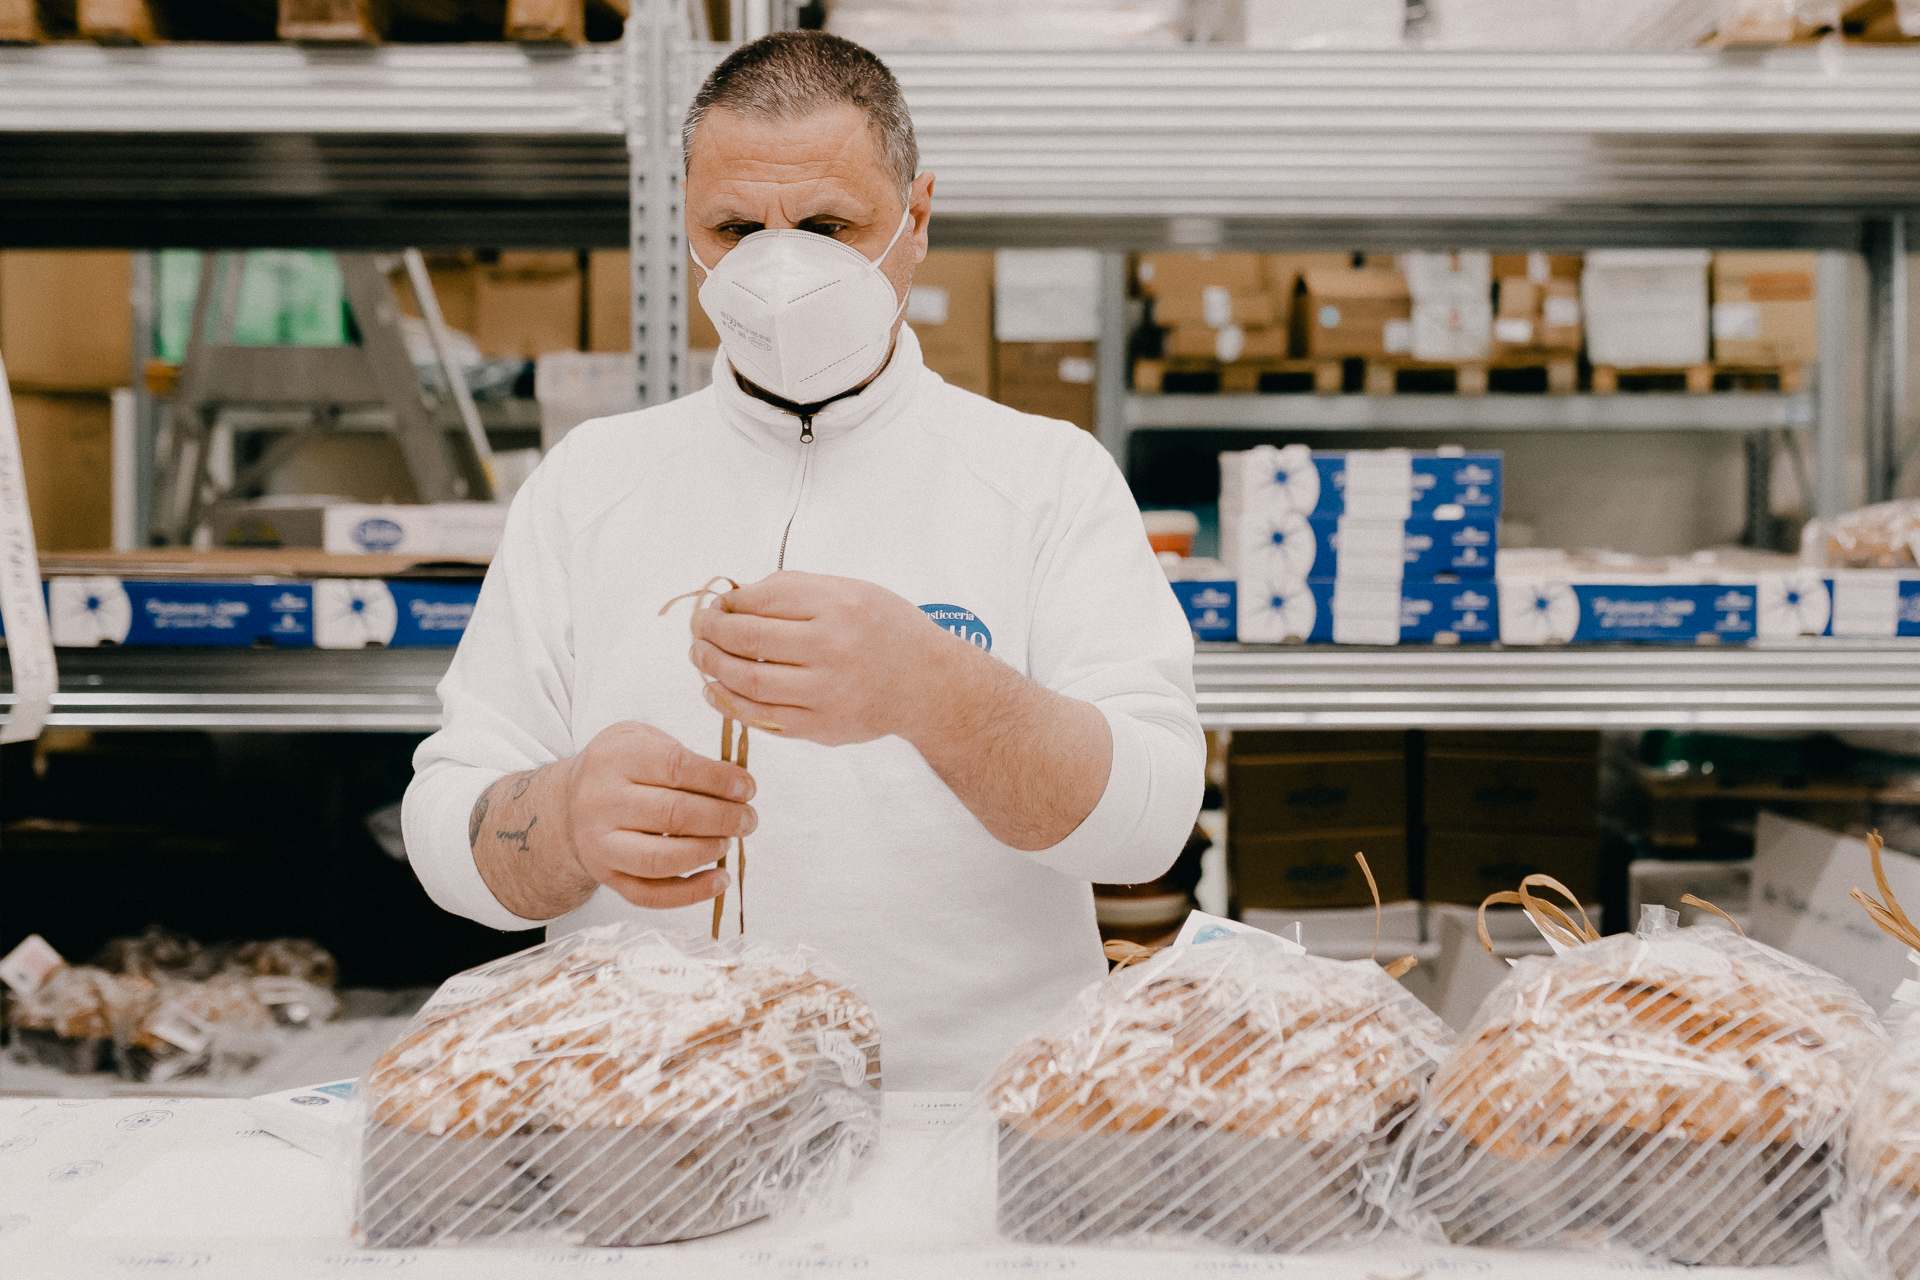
(920, 205)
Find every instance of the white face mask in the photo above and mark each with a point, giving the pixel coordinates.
(801, 314)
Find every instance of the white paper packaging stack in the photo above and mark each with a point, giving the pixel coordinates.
(1268, 539)
(617, 1087)
(1452, 304)
(1646, 308)
(1230, 1092)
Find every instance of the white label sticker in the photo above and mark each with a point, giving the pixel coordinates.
(1397, 336)
(27, 965)
(1538, 268)
(462, 989)
(927, 304)
(1561, 313)
(653, 967)
(1077, 370)
(1513, 329)
(182, 1030)
(1228, 343)
(839, 1048)
(1736, 321)
(1216, 306)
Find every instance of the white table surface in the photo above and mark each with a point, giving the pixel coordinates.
(152, 1186)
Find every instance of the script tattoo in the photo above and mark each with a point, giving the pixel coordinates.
(478, 818)
(519, 837)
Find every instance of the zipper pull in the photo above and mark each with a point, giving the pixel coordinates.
(806, 428)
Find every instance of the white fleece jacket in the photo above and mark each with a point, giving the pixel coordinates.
(961, 944)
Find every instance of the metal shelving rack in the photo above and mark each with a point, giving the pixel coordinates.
(244, 146)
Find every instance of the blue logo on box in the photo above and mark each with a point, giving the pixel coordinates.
(961, 622)
(378, 534)
(1210, 608)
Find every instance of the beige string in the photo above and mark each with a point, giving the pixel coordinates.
(1688, 899)
(728, 714)
(1124, 953)
(1886, 911)
(1399, 968)
(1552, 922)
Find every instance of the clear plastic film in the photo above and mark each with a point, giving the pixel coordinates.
(1882, 536)
(617, 1087)
(1233, 1094)
(1679, 1094)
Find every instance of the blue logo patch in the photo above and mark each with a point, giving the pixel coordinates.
(961, 622)
(378, 534)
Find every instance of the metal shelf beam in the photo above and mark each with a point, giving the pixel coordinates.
(1730, 411)
(1806, 686)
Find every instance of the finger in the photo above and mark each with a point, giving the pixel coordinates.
(787, 594)
(664, 762)
(681, 813)
(770, 683)
(664, 895)
(776, 719)
(651, 857)
(755, 638)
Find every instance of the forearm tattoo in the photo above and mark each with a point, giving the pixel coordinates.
(477, 820)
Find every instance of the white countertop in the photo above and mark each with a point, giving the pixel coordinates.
(150, 1186)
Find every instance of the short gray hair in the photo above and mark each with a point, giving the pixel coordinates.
(793, 73)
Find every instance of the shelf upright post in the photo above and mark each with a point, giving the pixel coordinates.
(1110, 359)
(1830, 392)
(653, 146)
(1884, 242)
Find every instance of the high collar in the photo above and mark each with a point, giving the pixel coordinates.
(769, 425)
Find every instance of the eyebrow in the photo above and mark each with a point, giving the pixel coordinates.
(730, 214)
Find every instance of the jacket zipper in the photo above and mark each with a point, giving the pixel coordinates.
(806, 467)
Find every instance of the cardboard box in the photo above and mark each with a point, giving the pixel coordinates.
(1216, 307)
(1322, 791)
(454, 277)
(1494, 788)
(470, 529)
(1557, 607)
(1052, 379)
(1534, 315)
(1466, 866)
(1318, 869)
(1764, 308)
(528, 304)
(951, 311)
(1172, 275)
(610, 306)
(1285, 269)
(1354, 313)
(1228, 343)
(66, 319)
(1537, 267)
(66, 447)
(1404, 612)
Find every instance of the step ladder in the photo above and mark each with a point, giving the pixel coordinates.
(448, 460)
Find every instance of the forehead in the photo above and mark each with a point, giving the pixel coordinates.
(833, 144)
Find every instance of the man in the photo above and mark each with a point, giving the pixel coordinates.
(981, 682)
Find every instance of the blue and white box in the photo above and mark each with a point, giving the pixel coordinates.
(356, 613)
(93, 611)
(1378, 484)
(1596, 608)
(1211, 607)
(1855, 603)
(1326, 611)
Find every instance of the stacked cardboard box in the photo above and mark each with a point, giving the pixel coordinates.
(1361, 546)
(951, 311)
(1501, 805)
(1216, 306)
(1452, 309)
(66, 326)
(1537, 314)
(1764, 311)
(1300, 804)
(1046, 323)
(1645, 308)
(1349, 313)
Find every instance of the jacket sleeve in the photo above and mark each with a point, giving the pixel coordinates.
(506, 700)
(1107, 629)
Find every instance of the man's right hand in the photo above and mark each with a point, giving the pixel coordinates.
(635, 811)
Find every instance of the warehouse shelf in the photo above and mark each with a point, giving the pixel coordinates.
(1731, 411)
(307, 690)
(1809, 685)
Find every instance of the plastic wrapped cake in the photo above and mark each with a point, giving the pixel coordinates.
(1680, 1094)
(1238, 1093)
(616, 1087)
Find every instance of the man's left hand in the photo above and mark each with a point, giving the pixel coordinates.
(831, 660)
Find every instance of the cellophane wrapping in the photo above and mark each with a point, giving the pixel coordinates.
(1678, 1094)
(1882, 536)
(1235, 1094)
(617, 1087)
(1873, 1232)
